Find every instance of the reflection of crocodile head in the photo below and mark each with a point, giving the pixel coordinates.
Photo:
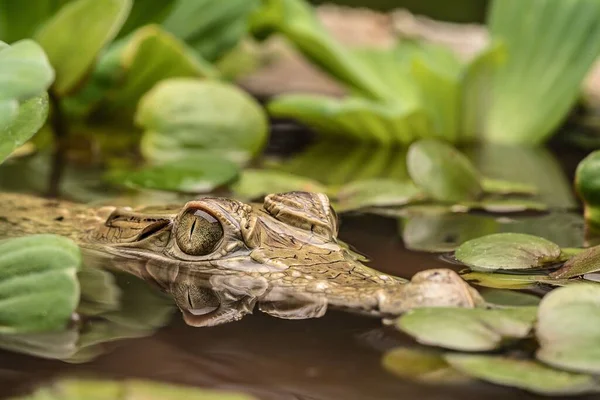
(219, 258)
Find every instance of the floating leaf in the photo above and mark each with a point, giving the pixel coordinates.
(30, 117)
(197, 175)
(442, 171)
(254, 183)
(149, 56)
(38, 285)
(507, 251)
(509, 298)
(523, 374)
(583, 263)
(183, 116)
(422, 365)
(376, 193)
(211, 27)
(500, 205)
(296, 20)
(512, 281)
(568, 328)
(24, 71)
(551, 45)
(353, 118)
(74, 36)
(502, 187)
(467, 329)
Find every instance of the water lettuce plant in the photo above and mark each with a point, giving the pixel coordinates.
(534, 62)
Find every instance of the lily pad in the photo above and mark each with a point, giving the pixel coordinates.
(568, 328)
(74, 36)
(503, 187)
(254, 183)
(423, 365)
(442, 171)
(198, 175)
(468, 329)
(512, 281)
(38, 285)
(182, 116)
(507, 251)
(376, 193)
(523, 374)
(586, 262)
(509, 298)
(500, 205)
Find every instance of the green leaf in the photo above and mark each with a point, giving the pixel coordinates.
(583, 263)
(255, 183)
(507, 251)
(551, 45)
(422, 365)
(523, 374)
(467, 329)
(184, 116)
(509, 298)
(334, 163)
(296, 20)
(20, 19)
(145, 12)
(568, 328)
(512, 281)
(38, 285)
(500, 205)
(442, 171)
(212, 28)
(353, 118)
(24, 71)
(200, 174)
(55, 345)
(149, 56)
(30, 117)
(74, 36)
(376, 193)
(502, 187)
(587, 185)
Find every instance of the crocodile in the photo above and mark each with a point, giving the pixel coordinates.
(220, 258)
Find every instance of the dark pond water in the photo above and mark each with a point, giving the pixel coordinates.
(335, 357)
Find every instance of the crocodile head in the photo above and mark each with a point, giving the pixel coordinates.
(219, 258)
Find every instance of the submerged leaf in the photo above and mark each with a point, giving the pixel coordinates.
(467, 329)
(254, 183)
(198, 175)
(551, 45)
(183, 116)
(74, 36)
(353, 118)
(38, 285)
(507, 251)
(422, 365)
(442, 171)
(523, 374)
(568, 328)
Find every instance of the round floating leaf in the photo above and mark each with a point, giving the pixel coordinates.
(420, 364)
(523, 374)
(182, 116)
(74, 36)
(39, 290)
(507, 251)
(442, 171)
(198, 175)
(376, 193)
(24, 71)
(30, 117)
(467, 329)
(254, 183)
(568, 328)
(512, 281)
(583, 263)
(502, 187)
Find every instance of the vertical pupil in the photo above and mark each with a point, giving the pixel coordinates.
(199, 232)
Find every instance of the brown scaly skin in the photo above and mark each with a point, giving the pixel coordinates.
(283, 255)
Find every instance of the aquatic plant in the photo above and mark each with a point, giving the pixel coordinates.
(516, 91)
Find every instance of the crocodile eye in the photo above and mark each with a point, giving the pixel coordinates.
(198, 233)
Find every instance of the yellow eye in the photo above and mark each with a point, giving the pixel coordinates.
(198, 233)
